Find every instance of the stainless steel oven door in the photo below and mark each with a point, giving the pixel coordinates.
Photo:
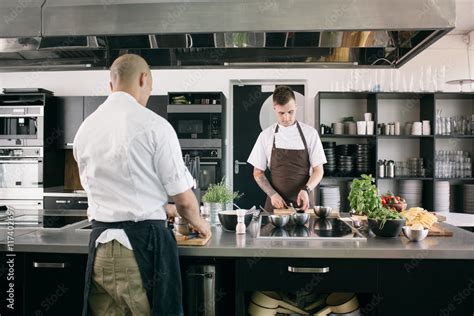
(209, 174)
(21, 173)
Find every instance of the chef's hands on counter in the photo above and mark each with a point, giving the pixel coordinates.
(277, 201)
(188, 208)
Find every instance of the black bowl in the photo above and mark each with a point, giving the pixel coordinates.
(228, 219)
(391, 228)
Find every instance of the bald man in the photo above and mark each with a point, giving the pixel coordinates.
(130, 161)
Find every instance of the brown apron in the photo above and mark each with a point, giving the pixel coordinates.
(289, 171)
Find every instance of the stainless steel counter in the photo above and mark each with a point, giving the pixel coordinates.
(71, 239)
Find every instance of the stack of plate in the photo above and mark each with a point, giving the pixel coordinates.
(468, 198)
(330, 152)
(345, 161)
(331, 196)
(441, 195)
(411, 191)
(362, 159)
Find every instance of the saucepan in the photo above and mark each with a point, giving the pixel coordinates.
(340, 303)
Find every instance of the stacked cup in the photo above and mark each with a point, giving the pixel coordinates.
(426, 129)
(369, 123)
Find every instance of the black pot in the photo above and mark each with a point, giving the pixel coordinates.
(228, 219)
(391, 228)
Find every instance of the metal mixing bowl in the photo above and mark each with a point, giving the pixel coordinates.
(414, 235)
(279, 220)
(322, 211)
(299, 218)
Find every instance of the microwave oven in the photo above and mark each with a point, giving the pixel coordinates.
(197, 125)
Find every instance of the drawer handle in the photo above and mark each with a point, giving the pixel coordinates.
(308, 270)
(61, 201)
(82, 202)
(58, 265)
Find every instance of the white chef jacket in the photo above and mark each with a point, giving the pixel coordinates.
(129, 161)
(286, 138)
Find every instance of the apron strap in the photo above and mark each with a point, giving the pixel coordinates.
(274, 136)
(302, 136)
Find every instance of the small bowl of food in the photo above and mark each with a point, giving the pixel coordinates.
(300, 218)
(416, 232)
(279, 220)
(322, 211)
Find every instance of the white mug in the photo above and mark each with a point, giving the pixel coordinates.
(368, 117)
(361, 127)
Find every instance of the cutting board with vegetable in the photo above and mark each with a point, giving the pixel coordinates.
(183, 240)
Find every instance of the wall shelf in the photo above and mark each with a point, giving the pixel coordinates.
(403, 107)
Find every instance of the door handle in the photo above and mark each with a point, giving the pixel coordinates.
(308, 270)
(237, 164)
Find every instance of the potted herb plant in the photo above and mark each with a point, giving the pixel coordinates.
(216, 199)
(363, 197)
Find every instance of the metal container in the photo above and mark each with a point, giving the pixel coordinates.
(381, 169)
(390, 169)
(279, 220)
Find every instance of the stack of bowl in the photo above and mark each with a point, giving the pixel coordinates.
(330, 152)
(362, 159)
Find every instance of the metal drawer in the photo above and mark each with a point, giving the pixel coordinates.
(311, 274)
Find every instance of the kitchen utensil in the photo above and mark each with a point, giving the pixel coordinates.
(322, 211)
(272, 300)
(414, 235)
(438, 231)
(340, 303)
(279, 220)
(370, 127)
(361, 127)
(228, 219)
(299, 218)
(194, 241)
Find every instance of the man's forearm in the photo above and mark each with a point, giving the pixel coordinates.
(264, 184)
(316, 177)
(187, 206)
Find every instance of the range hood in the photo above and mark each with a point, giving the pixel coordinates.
(90, 34)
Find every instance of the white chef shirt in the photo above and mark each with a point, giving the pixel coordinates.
(129, 161)
(286, 138)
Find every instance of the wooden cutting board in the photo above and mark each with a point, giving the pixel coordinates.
(182, 240)
(438, 231)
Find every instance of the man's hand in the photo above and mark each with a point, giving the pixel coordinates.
(277, 201)
(171, 211)
(303, 199)
(203, 228)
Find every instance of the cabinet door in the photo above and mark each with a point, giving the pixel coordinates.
(91, 104)
(158, 104)
(54, 284)
(70, 116)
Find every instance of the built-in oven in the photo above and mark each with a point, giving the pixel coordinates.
(21, 125)
(21, 173)
(210, 164)
(196, 121)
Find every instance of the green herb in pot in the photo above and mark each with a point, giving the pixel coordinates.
(363, 197)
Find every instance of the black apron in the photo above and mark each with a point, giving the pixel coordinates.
(289, 171)
(156, 252)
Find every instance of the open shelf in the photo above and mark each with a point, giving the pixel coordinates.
(401, 107)
(346, 136)
(404, 136)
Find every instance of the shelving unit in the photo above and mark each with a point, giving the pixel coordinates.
(402, 107)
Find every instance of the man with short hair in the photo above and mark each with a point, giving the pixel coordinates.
(129, 162)
(292, 151)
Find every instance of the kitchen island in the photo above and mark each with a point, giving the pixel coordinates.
(391, 275)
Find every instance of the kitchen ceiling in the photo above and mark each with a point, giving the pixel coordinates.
(90, 34)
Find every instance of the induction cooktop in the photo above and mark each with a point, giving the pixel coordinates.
(316, 228)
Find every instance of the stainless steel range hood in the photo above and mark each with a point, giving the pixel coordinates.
(223, 33)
